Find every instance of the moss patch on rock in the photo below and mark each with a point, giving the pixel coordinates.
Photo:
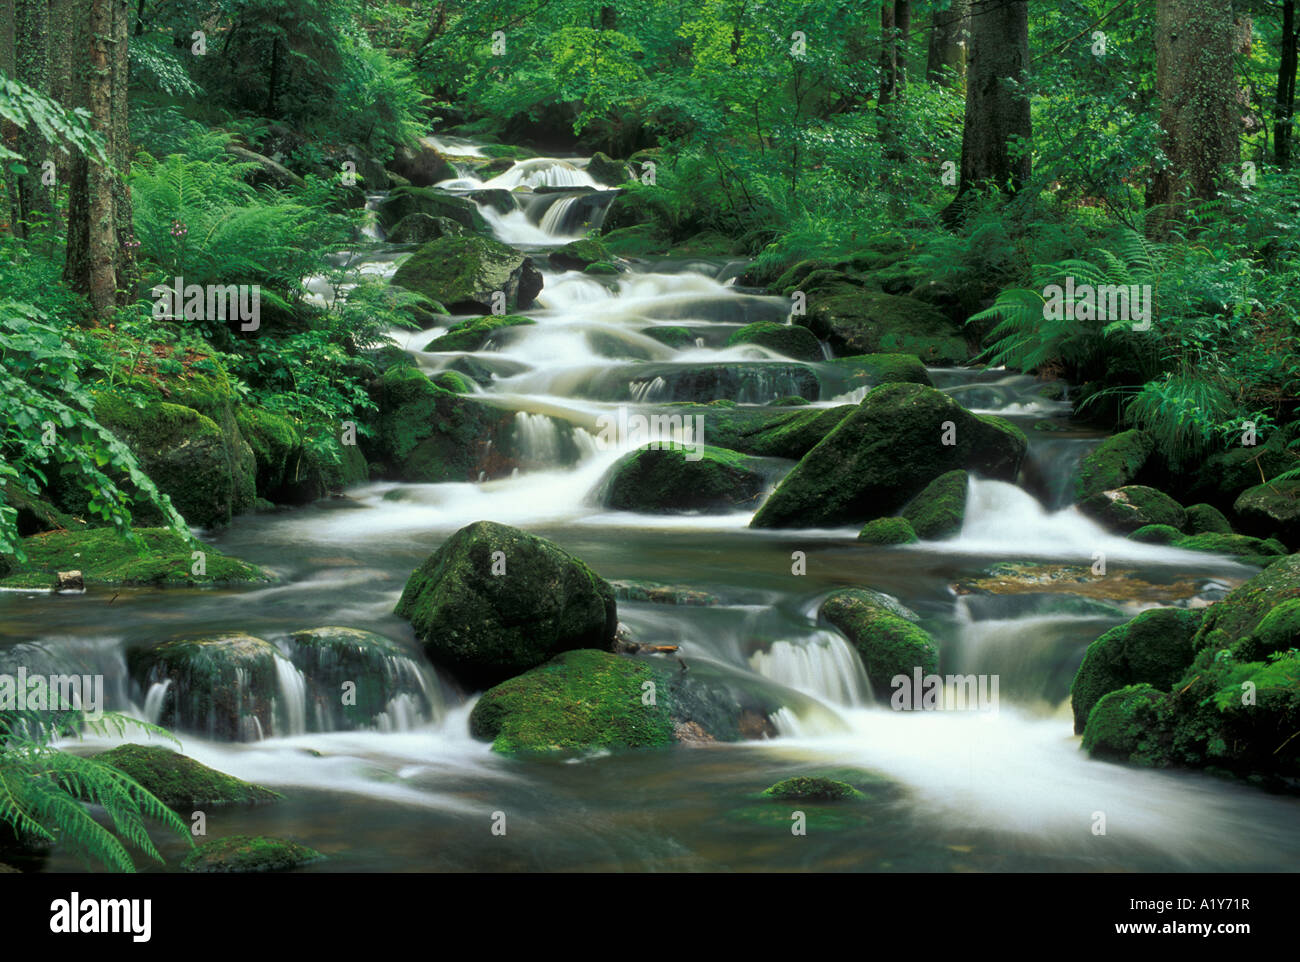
(888, 643)
(1207, 519)
(1114, 463)
(476, 333)
(1132, 507)
(785, 339)
(813, 788)
(885, 531)
(249, 853)
(676, 479)
(464, 274)
(181, 783)
(939, 510)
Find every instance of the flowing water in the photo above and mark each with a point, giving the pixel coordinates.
(947, 790)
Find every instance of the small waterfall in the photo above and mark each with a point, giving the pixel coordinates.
(538, 438)
(292, 701)
(824, 665)
(154, 700)
(543, 172)
(554, 219)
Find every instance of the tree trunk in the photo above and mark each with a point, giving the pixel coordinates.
(949, 39)
(119, 149)
(1284, 105)
(274, 79)
(888, 72)
(32, 200)
(902, 33)
(997, 112)
(1199, 114)
(102, 283)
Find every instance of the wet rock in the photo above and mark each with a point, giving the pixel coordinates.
(464, 274)
(494, 601)
(1242, 547)
(381, 676)
(785, 339)
(477, 333)
(1155, 647)
(1132, 507)
(662, 594)
(939, 510)
(420, 228)
(1114, 463)
(885, 531)
(881, 455)
(813, 788)
(674, 479)
(69, 581)
(870, 370)
(181, 783)
(1271, 510)
(606, 170)
(872, 322)
(579, 254)
(404, 201)
(249, 853)
(888, 644)
(422, 165)
(1206, 519)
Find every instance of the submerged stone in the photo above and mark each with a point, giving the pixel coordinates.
(181, 783)
(249, 853)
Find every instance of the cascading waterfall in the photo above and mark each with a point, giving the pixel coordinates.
(823, 665)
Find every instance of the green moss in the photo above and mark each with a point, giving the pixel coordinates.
(602, 268)
(474, 334)
(180, 782)
(872, 369)
(888, 643)
(637, 240)
(673, 479)
(1132, 507)
(676, 337)
(275, 442)
(812, 788)
(104, 557)
(876, 459)
(1207, 519)
(1122, 726)
(404, 201)
(785, 339)
(871, 322)
(487, 625)
(1246, 605)
(939, 510)
(888, 531)
(1270, 510)
(1156, 534)
(577, 702)
(1278, 631)
(1154, 648)
(378, 669)
(249, 853)
(1114, 463)
(578, 254)
(455, 382)
(1240, 546)
(464, 273)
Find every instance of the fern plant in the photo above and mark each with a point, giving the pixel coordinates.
(45, 793)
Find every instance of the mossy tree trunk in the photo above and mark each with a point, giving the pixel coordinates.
(32, 201)
(1199, 110)
(1284, 102)
(949, 36)
(997, 109)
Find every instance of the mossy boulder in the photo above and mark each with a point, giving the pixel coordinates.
(677, 479)
(1207, 519)
(495, 601)
(249, 853)
(1155, 648)
(1242, 547)
(577, 255)
(454, 381)
(888, 643)
(163, 558)
(181, 783)
(628, 209)
(885, 531)
(429, 434)
(1132, 507)
(785, 339)
(405, 201)
(223, 686)
(872, 322)
(673, 336)
(420, 228)
(606, 170)
(1243, 608)
(1122, 725)
(464, 274)
(813, 788)
(34, 514)
(1271, 510)
(1114, 463)
(772, 431)
(378, 671)
(476, 333)
(421, 164)
(605, 268)
(939, 510)
(579, 701)
(885, 452)
(203, 468)
(869, 370)
(1156, 534)
(277, 448)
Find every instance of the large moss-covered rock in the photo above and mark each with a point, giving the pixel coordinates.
(579, 254)
(1271, 510)
(181, 783)
(104, 557)
(606, 170)
(431, 435)
(813, 788)
(420, 228)
(579, 701)
(381, 675)
(872, 322)
(1207, 519)
(1114, 463)
(494, 601)
(223, 686)
(939, 510)
(1123, 726)
(422, 164)
(464, 274)
(249, 853)
(1132, 507)
(1154, 648)
(405, 201)
(869, 370)
(888, 643)
(885, 531)
(1248, 604)
(476, 333)
(884, 453)
(188, 455)
(784, 339)
(1240, 546)
(679, 479)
